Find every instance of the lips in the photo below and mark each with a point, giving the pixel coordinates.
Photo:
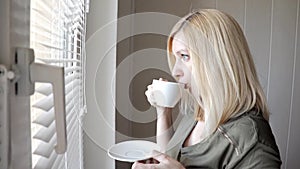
(186, 86)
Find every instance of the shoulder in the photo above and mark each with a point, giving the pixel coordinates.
(251, 134)
(249, 129)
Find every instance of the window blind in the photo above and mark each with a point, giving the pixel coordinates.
(57, 35)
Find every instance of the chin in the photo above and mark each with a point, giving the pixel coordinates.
(187, 86)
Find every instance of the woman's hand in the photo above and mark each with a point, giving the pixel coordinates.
(151, 99)
(150, 95)
(160, 161)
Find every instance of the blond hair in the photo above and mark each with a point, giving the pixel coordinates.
(222, 68)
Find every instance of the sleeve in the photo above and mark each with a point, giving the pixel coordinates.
(257, 145)
(260, 157)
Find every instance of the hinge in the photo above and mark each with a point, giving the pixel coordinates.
(23, 59)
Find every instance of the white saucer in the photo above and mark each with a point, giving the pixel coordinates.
(131, 151)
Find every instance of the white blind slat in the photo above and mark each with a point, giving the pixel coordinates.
(44, 163)
(73, 85)
(46, 34)
(45, 104)
(43, 16)
(50, 46)
(45, 133)
(72, 103)
(45, 149)
(49, 61)
(72, 69)
(48, 136)
(58, 161)
(45, 89)
(44, 6)
(46, 118)
(76, 75)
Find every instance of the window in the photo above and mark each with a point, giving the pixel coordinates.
(57, 35)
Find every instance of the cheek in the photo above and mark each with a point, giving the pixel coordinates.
(189, 73)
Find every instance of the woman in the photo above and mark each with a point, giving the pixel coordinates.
(225, 123)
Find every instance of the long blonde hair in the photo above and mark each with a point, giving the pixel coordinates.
(222, 67)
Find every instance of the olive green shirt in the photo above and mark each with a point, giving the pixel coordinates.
(242, 142)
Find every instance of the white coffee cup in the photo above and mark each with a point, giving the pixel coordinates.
(166, 94)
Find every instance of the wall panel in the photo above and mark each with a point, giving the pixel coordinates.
(203, 4)
(293, 148)
(257, 30)
(235, 8)
(281, 69)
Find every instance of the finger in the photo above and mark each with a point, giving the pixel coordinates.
(149, 90)
(149, 87)
(158, 156)
(163, 79)
(134, 166)
(147, 93)
(138, 165)
(148, 161)
(153, 161)
(150, 98)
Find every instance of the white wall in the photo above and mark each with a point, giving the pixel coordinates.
(272, 31)
(99, 122)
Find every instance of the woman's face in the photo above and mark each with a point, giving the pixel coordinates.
(183, 65)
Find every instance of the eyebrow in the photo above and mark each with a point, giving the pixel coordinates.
(182, 51)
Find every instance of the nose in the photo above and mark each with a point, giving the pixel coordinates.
(177, 71)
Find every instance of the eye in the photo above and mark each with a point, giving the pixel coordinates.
(185, 57)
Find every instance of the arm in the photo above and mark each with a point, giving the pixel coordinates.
(164, 128)
(260, 156)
